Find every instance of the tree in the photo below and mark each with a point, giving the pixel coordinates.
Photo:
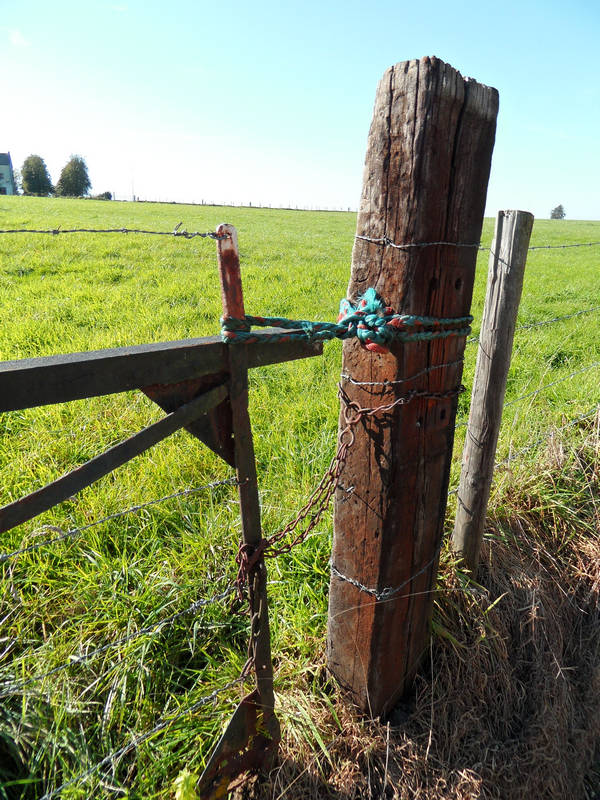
(558, 213)
(18, 181)
(74, 180)
(34, 177)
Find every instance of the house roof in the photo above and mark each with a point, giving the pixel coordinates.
(5, 160)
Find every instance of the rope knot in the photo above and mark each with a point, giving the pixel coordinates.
(367, 320)
(230, 326)
(374, 324)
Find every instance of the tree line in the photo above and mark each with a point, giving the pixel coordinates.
(74, 181)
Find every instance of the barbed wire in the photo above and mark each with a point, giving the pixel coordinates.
(462, 423)
(550, 432)
(426, 371)
(389, 592)
(73, 532)
(517, 454)
(552, 383)
(562, 246)
(381, 240)
(175, 232)
(8, 688)
(138, 740)
(528, 325)
(385, 241)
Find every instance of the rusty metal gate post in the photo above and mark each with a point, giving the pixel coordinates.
(250, 741)
(233, 306)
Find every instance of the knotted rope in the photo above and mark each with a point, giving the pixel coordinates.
(374, 324)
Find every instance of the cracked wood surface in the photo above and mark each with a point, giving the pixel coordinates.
(425, 180)
(508, 255)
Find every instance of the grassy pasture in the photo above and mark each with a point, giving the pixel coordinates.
(83, 291)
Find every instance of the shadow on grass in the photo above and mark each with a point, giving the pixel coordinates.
(507, 705)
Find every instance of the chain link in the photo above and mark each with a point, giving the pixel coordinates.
(250, 556)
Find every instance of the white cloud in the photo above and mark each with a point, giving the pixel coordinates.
(17, 39)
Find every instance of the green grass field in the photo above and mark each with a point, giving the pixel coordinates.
(80, 292)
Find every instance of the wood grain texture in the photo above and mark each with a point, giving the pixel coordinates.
(425, 180)
(58, 379)
(508, 256)
(214, 428)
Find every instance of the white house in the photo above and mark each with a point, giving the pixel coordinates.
(7, 179)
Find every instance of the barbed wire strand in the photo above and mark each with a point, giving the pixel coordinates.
(549, 433)
(562, 246)
(7, 688)
(552, 383)
(389, 592)
(387, 242)
(385, 383)
(528, 325)
(463, 422)
(175, 232)
(381, 240)
(138, 740)
(73, 532)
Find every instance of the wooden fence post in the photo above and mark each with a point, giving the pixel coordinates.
(425, 180)
(505, 281)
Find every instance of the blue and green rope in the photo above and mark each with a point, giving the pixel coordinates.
(369, 320)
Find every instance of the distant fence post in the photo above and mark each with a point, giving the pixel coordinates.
(425, 180)
(505, 281)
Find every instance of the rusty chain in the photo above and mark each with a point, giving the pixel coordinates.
(249, 557)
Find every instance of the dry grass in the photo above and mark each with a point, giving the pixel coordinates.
(507, 705)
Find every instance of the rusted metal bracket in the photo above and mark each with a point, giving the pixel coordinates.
(249, 744)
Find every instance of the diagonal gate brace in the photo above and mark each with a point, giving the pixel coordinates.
(30, 506)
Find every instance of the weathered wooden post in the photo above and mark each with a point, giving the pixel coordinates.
(425, 180)
(505, 281)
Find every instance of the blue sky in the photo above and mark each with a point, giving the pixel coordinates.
(271, 102)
